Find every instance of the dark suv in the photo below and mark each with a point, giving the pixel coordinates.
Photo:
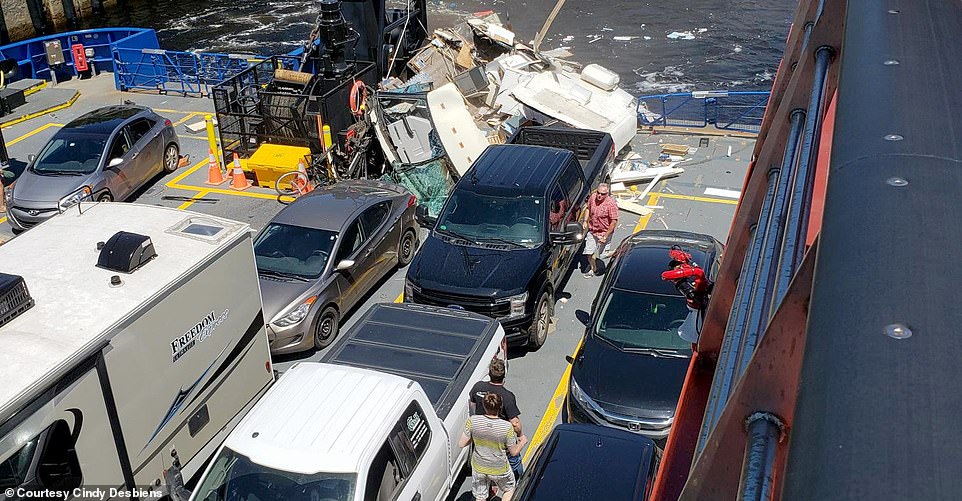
(631, 366)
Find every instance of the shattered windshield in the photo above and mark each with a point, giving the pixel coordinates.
(234, 477)
(482, 218)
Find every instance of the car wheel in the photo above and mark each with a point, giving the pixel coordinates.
(326, 328)
(171, 158)
(105, 197)
(407, 248)
(538, 332)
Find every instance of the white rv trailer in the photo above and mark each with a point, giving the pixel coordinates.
(110, 378)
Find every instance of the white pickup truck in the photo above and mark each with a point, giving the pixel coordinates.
(377, 419)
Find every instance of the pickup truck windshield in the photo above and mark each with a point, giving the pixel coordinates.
(234, 477)
(637, 321)
(493, 219)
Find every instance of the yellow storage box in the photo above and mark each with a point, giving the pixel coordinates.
(271, 161)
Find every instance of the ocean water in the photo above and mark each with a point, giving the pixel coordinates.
(656, 46)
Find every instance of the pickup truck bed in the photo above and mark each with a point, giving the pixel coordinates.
(437, 347)
(594, 150)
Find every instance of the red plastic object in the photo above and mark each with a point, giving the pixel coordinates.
(79, 57)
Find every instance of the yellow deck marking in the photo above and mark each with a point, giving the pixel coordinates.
(3, 219)
(188, 112)
(399, 298)
(551, 412)
(40, 113)
(699, 199)
(31, 133)
(186, 118)
(200, 194)
(643, 220)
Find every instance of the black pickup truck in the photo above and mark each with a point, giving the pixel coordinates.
(509, 230)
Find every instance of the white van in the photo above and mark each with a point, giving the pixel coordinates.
(133, 340)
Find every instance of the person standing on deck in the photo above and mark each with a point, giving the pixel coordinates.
(600, 220)
(509, 408)
(493, 439)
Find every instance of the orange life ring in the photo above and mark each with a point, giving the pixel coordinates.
(357, 97)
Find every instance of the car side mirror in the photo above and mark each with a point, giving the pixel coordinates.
(423, 216)
(31, 157)
(344, 264)
(572, 234)
(115, 162)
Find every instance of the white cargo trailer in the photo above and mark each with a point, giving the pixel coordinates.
(144, 346)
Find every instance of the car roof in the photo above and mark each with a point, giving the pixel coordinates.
(514, 170)
(320, 418)
(329, 207)
(103, 120)
(581, 461)
(642, 258)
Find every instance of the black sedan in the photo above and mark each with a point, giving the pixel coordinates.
(320, 256)
(631, 366)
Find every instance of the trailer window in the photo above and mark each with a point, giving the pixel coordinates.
(59, 467)
(14, 470)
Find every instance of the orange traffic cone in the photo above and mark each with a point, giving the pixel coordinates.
(238, 180)
(214, 175)
(303, 182)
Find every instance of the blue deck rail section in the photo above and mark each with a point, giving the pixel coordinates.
(135, 58)
(31, 54)
(737, 111)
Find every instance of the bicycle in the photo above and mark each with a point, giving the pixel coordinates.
(296, 183)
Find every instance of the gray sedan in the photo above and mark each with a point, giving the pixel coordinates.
(321, 255)
(107, 154)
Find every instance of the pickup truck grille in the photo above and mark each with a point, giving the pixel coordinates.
(471, 303)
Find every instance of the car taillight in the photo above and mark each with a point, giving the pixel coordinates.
(412, 200)
(167, 123)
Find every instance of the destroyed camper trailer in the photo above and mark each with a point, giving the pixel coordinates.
(131, 342)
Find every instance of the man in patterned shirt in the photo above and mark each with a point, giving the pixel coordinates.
(600, 220)
(493, 440)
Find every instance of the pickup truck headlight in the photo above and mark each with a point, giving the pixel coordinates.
(296, 315)
(8, 194)
(518, 303)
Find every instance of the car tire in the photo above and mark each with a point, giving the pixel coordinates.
(325, 330)
(407, 248)
(105, 197)
(171, 158)
(538, 332)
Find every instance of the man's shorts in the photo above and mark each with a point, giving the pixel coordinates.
(481, 484)
(594, 246)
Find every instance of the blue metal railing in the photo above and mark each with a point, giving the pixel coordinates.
(724, 110)
(31, 55)
(133, 55)
(173, 71)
